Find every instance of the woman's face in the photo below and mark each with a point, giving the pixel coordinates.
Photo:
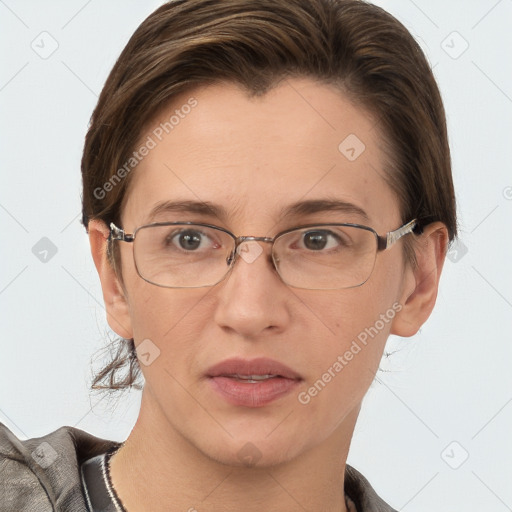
(252, 159)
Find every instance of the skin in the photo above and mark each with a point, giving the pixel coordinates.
(254, 157)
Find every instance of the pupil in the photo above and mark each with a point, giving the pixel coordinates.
(315, 240)
(190, 240)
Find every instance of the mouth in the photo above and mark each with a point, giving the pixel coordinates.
(252, 383)
(252, 379)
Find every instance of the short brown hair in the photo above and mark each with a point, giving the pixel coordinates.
(358, 47)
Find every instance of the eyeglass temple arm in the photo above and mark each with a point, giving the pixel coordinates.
(119, 234)
(385, 242)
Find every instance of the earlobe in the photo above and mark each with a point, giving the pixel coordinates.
(419, 292)
(116, 305)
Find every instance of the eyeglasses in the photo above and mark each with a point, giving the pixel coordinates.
(317, 256)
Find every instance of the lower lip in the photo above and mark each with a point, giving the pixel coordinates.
(252, 394)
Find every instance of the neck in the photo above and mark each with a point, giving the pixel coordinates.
(158, 469)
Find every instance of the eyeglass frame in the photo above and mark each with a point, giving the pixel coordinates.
(383, 242)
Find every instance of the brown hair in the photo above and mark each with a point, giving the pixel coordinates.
(358, 47)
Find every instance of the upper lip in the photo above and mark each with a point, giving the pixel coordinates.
(247, 367)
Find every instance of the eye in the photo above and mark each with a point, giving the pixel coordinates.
(190, 240)
(318, 240)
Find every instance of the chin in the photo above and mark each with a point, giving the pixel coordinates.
(254, 451)
(250, 455)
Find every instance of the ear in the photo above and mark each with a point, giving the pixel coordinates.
(419, 291)
(116, 305)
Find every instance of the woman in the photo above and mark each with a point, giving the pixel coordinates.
(268, 196)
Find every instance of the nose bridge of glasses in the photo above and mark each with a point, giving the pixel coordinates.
(248, 248)
(241, 239)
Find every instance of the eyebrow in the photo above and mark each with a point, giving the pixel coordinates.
(312, 206)
(197, 207)
(298, 209)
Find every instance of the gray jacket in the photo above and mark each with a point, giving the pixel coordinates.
(43, 474)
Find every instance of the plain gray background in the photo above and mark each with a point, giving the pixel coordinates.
(434, 433)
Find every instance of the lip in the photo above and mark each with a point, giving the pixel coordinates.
(231, 380)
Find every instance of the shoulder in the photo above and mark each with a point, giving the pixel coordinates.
(362, 493)
(42, 473)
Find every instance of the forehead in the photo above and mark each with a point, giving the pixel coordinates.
(253, 157)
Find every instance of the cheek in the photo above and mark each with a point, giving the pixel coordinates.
(173, 321)
(345, 314)
(353, 328)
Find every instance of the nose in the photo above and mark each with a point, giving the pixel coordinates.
(252, 300)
